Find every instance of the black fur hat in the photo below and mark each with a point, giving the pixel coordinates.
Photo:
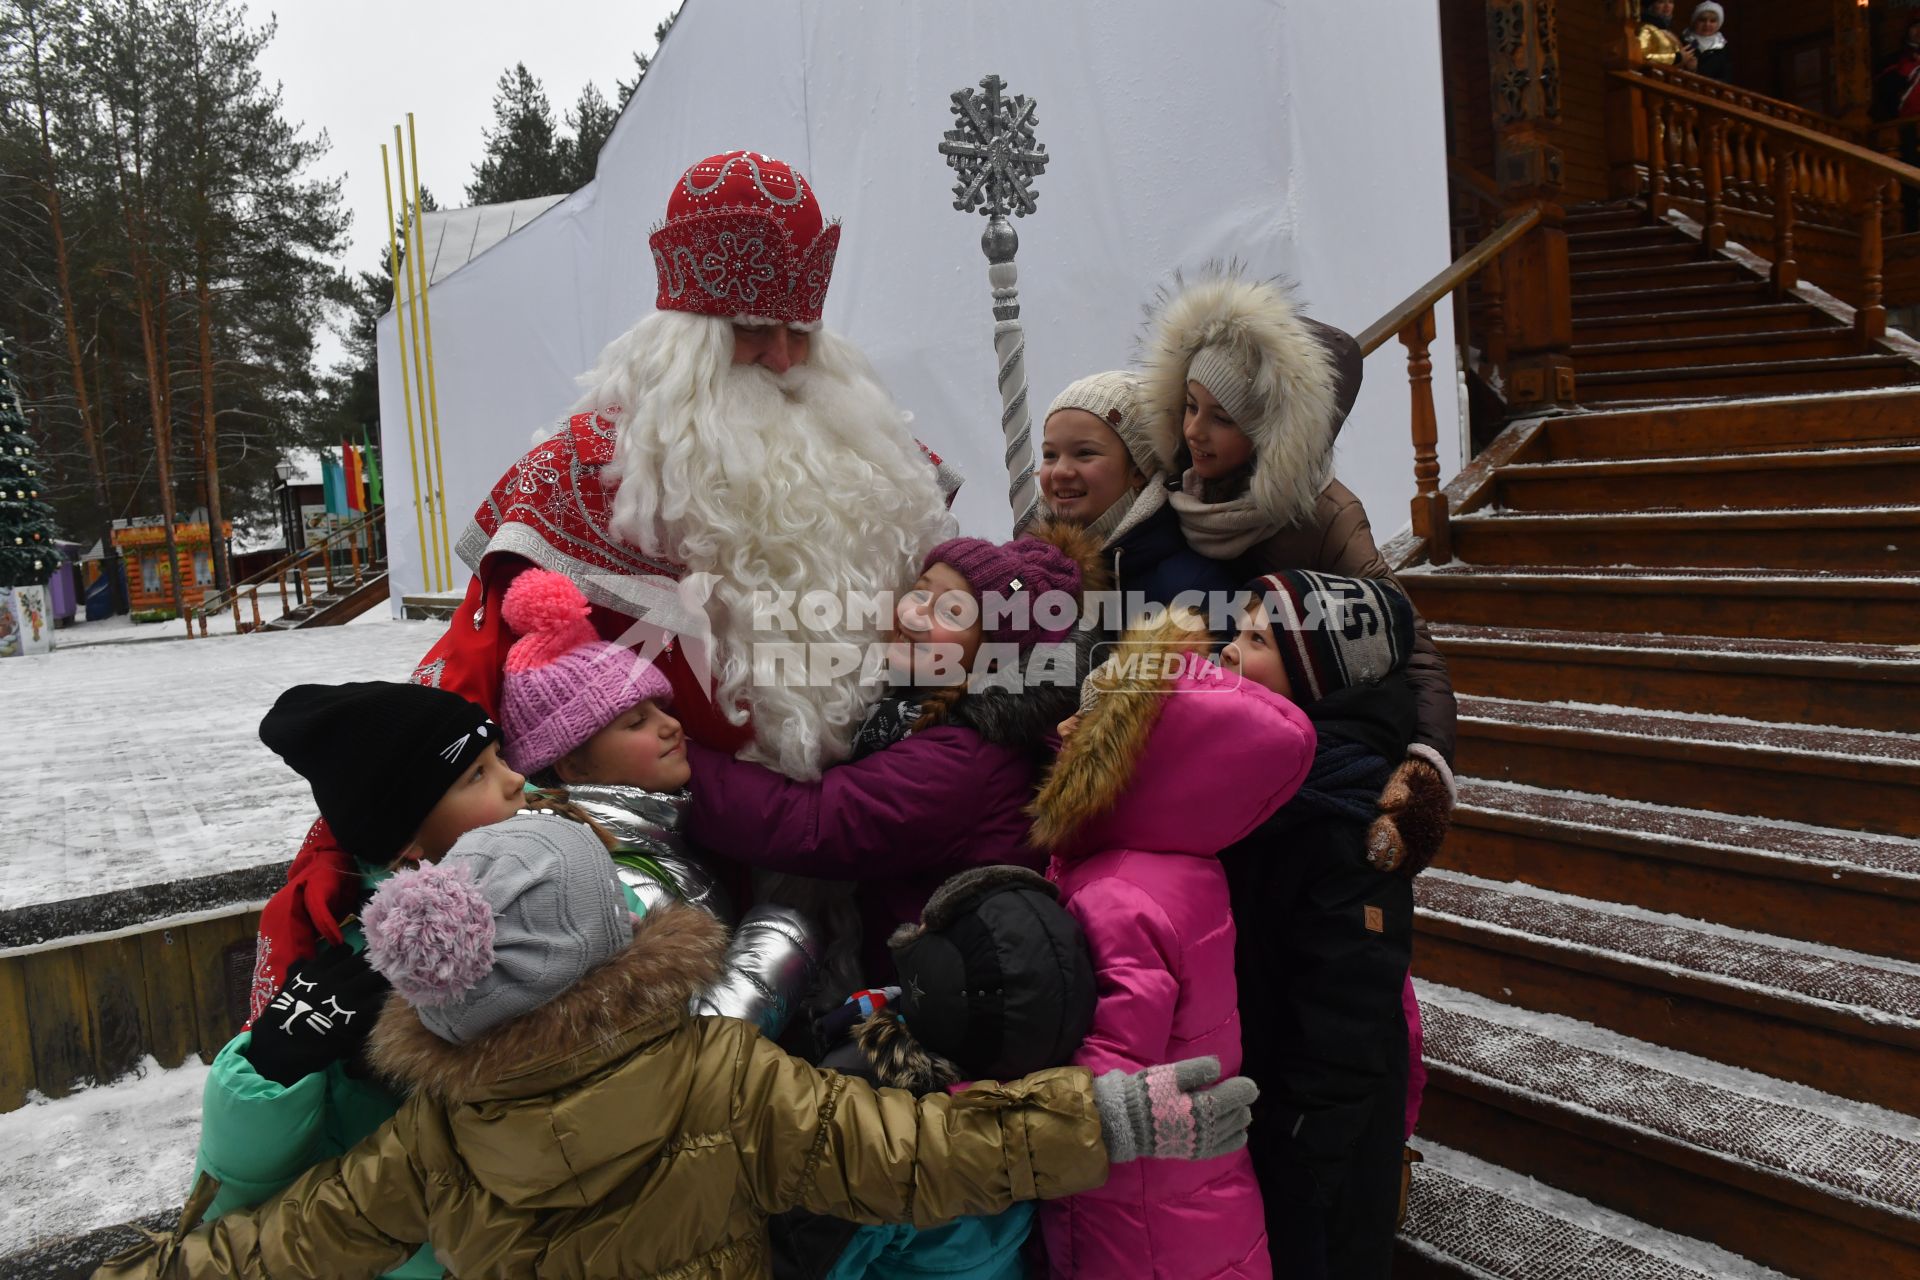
(996, 982)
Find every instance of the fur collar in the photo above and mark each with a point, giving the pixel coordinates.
(1306, 388)
(1095, 766)
(676, 951)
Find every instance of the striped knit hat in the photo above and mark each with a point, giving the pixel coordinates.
(1333, 632)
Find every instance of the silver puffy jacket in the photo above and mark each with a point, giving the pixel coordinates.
(774, 951)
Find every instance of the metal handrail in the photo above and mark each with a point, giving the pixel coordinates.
(1456, 274)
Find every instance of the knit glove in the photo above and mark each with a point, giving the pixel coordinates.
(1168, 1111)
(1416, 807)
(323, 1015)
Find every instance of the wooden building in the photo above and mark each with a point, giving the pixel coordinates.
(143, 545)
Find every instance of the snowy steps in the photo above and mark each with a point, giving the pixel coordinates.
(1669, 270)
(1788, 1177)
(1468, 1218)
(1841, 1020)
(1852, 607)
(1769, 479)
(1785, 423)
(1860, 779)
(1668, 955)
(1841, 888)
(1879, 539)
(1849, 685)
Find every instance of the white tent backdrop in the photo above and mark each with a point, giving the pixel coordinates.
(1301, 138)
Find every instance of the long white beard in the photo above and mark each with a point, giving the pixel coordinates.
(807, 481)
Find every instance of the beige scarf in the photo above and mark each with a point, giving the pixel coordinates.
(1219, 530)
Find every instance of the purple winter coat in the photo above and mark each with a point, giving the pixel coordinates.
(1135, 837)
(899, 821)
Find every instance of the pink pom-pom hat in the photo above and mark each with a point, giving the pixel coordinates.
(563, 682)
(430, 932)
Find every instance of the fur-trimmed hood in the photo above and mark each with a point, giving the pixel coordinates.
(1174, 754)
(643, 991)
(1306, 375)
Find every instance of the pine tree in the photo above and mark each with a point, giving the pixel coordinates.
(26, 522)
(525, 156)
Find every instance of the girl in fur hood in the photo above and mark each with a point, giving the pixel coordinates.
(1245, 394)
(567, 1117)
(1171, 762)
(943, 766)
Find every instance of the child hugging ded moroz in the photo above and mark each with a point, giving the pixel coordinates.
(400, 772)
(1170, 760)
(567, 1117)
(592, 724)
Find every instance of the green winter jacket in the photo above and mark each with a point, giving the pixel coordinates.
(257, 1136)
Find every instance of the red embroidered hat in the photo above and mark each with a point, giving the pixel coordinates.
(744, 237)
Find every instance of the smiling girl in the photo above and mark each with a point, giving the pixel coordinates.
(1098, 469)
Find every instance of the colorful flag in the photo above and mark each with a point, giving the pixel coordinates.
(333, 483)
(375, 493)
(350, 465)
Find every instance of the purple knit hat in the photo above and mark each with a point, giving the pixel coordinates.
(1026, 566)
(563, 682)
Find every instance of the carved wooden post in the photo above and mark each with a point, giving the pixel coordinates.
(254, 597)
(1429, 504)
(1657, 159)
(1523, 52)
(1786, 272)
(1713, 233)
(1629, 117)
(1870, 321)
(1852, 69)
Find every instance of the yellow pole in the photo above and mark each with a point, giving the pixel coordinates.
(426, 327)
(419, 366)
(406, 391)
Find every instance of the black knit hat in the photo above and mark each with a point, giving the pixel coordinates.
(378, 755)
(1334, 632)
(996, 983)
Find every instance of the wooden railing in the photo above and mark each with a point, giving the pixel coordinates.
(348, 554)
(1412, 321)
(1775, 177)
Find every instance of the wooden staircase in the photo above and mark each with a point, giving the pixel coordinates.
(1670, 958)
(1657, 319)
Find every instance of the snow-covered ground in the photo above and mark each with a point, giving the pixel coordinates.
(98, 1157)
(123, 629)
(132, 764)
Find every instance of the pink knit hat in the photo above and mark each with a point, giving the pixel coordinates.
(1026, 565)
(563, 682)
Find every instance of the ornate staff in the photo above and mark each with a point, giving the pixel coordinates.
(992, 148)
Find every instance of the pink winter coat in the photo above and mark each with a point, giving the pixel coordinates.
(1135, 816)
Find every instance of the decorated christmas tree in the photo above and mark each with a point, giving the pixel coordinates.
(26, 521)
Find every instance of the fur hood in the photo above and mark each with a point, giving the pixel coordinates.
(1188, 774)
(675, 952)
(1025, 716)
(1095, 765)
(1307, 374)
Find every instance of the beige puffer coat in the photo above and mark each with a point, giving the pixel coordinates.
(609, 1134)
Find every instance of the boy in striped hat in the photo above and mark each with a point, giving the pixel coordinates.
(1325, 926)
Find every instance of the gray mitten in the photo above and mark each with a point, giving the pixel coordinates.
(1169, 1112)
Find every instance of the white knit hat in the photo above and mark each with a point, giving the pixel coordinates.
(1114, 398)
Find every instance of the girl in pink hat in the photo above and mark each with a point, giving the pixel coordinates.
(590, 723)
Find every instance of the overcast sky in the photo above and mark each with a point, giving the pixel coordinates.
(356, 67)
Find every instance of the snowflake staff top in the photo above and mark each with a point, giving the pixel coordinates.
(994, 151)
